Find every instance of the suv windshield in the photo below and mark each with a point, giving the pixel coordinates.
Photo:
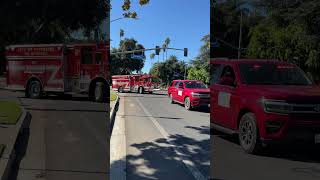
(273, 74)
(195, 85)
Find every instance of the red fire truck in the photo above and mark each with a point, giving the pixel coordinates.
(135, 83)
(58, 68)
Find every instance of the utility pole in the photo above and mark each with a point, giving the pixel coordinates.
(185, 70)
(240, 37)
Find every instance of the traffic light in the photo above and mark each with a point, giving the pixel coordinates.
(157, 50)
(185, 52)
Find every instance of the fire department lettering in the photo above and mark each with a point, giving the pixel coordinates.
(224, 99)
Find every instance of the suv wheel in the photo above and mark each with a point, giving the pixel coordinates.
(34, 90)
(171, 99)
(248, 134)
(187, 103)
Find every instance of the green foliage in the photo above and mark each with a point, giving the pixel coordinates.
(200, 65)
(168, 70)
(127, 6)
(124, 64)
(47, 21)
(287, 30)
(199, 74)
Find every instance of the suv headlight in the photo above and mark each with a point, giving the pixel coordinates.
(196, 95)
(276, 106)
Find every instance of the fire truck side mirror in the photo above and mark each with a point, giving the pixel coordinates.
(157, 50)
(185, 51)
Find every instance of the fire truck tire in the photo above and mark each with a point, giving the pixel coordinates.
(141, 90)
(100, 92)
(34, 89)
(120, 90)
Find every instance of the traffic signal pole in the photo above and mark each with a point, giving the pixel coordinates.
(151, 49)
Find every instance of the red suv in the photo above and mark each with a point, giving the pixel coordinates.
(263, 101)
(191, 93)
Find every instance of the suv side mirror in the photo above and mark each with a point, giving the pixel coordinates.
(228, 81)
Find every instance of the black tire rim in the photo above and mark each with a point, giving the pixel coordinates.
(35, 89)
(187, 103)
(247, 133)
(120, 90)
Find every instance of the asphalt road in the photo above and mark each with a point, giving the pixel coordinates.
(163, 140)
(279, 162)
(68, 139)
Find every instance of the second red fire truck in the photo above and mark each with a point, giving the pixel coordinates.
(58, 68)
(140, 83)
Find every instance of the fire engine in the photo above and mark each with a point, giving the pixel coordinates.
(140, 83)
(40, 69)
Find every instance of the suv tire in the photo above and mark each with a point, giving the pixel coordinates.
(171, 99)
(187, 103)
(249, 134)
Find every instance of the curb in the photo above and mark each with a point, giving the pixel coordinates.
(113, 113)
(9, 155)
(118, 146)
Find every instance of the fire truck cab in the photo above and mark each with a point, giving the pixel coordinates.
(140, 83)
(58, 68)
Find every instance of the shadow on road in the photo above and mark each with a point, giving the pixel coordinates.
(64, 110)
(162, 117)
(20, 150)
(294, 151)
(62, 97)
(202, 129)
(157, 160)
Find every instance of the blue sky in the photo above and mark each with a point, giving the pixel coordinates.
(185, 22)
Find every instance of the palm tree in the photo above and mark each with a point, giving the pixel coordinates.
(121, 33)
(166, 45)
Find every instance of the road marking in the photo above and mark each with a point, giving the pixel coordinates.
(186, 161)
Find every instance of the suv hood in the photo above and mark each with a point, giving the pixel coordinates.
(293, 94)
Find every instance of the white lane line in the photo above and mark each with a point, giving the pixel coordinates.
(186, 161)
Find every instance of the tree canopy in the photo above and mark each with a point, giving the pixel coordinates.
(168, 70)
(124, 63)
(199, 69)
(287, 30)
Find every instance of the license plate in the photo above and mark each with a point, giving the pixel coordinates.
(317, 138)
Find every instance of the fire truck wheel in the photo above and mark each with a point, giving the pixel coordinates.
(187, 103)
(140, 90)
(120, 90)
(34, 89)
(100, 92)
